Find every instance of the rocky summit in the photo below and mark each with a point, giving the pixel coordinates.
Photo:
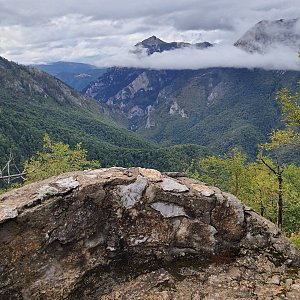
(154, 44)
(139, 234)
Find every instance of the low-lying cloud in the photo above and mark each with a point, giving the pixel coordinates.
(280, 58)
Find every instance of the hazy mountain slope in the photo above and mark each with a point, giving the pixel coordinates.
(76, 75)
(33, 103)
(64, 66)
(266, 35)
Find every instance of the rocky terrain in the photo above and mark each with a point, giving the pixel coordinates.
(139, 234)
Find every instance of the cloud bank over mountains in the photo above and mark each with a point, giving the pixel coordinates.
(103, 32)
(280, 58)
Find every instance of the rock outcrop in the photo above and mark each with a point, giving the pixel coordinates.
(139, 234)
(154, 44)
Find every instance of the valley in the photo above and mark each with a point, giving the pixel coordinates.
(34, 103)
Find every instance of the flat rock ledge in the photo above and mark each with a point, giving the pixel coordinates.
(138, 234)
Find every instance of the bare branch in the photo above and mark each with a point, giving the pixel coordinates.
(6, 172)
(12, 176)
(266, 164)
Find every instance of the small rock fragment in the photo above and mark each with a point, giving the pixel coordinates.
(274, 280)
(171, 185)
(204, 190)
(169, 210)
(152, 174)
(67, 183)
(7, 213)
(46, 191)
(132, 193)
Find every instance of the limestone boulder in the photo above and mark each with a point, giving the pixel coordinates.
(138, 234)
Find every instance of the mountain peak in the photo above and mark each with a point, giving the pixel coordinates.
(154, 44)
(152, 41)
(269, 34)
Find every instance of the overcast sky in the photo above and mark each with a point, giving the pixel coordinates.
(102, 32)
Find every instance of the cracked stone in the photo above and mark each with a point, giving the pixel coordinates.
(204, 190)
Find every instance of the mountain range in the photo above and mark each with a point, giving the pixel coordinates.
(33, 103)
(217, 107)
(154, 44)
(76, 75)
(152, 118)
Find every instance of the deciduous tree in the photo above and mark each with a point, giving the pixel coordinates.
(55, 159)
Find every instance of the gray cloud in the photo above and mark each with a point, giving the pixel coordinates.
(34, 31)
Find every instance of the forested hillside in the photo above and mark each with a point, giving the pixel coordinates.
(33, 103)
(219, 108)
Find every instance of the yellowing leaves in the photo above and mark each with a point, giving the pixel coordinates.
(55, 159)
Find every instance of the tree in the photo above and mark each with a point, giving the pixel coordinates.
(290, 106)
(55, 159)
(277, 171)
(280, 138)
(260, 184)
(227, 172)
(259, 188)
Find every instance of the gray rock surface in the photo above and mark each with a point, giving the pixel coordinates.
(138, 234)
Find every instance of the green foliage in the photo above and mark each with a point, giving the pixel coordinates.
(279, 140)
(295, 239)
(254, 184)
(260, 189)
(55, 159)
(290, 106)
(227, 172)
(10, 187)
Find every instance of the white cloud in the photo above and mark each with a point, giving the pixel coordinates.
(34, 31)
(218, 56)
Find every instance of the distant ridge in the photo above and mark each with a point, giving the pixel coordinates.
(76, 75)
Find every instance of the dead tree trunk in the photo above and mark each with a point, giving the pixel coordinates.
(10, 171)
(278, 173)
(280, 200)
